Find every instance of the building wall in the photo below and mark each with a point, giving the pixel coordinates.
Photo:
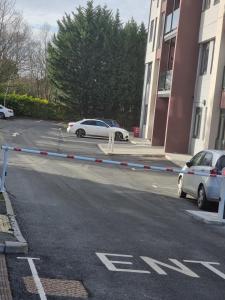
(208, 86)
(160, 123)
(184, 75)
(149, 93)
(170, 120)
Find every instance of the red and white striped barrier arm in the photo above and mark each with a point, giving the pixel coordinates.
(106, 161)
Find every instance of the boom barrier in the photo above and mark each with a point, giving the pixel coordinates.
(7, 148)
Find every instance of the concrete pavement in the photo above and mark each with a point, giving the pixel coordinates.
(142, 147)
(117, 233)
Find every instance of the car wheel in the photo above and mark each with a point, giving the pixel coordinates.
(2, 115)
(80, 133)
(202, 200)
(118, 136)
(180, 192)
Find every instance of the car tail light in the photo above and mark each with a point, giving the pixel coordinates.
(213, 172)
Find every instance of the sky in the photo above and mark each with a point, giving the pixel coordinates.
(38, 12)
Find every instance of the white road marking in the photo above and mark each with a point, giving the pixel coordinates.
(208, 264)
(110, 263)
(155, 186)
(66, 139)
(154, 264)
(157, 265)
(36, 278)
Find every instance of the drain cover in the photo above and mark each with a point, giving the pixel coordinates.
(57, 287)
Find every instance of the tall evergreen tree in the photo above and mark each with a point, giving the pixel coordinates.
(96, 64)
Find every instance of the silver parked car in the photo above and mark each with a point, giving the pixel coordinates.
(203, 188)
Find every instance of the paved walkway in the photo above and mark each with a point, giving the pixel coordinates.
(142, 147)
(5, 292)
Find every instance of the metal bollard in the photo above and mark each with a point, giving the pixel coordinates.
(221, 211)
(4, 170)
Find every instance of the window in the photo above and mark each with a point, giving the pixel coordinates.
(172, 43)
(148, 81)
(220, 140)
(161, 30)
(151, 31)
(145, 114)
(89, 122)
(213, 43)
(223, 83)
(206, 5)
(207, 160)
(153, 46)
(101, 124)
(168, 24)
(172, 18)
(176, 4)
(216, 2)
(197, 124)
(204, 58)
(195, 161)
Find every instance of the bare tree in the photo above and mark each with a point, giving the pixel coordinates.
(23, 55)
(14, 34)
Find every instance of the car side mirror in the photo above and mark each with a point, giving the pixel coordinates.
(188, 164)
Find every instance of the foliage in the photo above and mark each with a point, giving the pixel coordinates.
(27, 106)
(96, 64)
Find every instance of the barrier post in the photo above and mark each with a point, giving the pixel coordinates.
(4, 169)
(111, 140)
(221, 211)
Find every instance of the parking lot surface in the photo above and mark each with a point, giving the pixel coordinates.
(103, 232)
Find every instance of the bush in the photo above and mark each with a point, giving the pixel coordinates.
(27, 106)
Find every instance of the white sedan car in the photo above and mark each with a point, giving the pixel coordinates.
(94, 127)
(6, 112)
(203, 188)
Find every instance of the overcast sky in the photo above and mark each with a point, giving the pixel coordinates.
(38, 12)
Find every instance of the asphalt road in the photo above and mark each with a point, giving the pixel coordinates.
(73, 213)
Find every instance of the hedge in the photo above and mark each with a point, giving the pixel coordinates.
(27, 106)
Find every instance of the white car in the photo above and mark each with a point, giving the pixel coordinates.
(94, 127)
(203, 188)
(6, 112)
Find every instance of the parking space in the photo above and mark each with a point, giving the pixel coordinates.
(106, 232)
